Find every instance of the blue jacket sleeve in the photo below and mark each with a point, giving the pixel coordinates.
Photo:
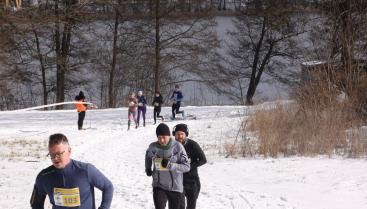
(37, 200)
(97, 179)
(38, 195)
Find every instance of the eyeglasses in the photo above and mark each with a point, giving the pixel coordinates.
(56, 155)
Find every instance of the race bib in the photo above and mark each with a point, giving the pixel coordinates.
(67, 197)
(158, 165)
(140, 104)
(156, 104)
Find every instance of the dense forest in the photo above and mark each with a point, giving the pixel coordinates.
(51, 49)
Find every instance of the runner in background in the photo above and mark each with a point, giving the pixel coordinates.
(142, 106)
(176, 99)
(133, 104)
(157, 103)
(81, 108)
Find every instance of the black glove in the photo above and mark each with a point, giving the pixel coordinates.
(149, 172)
(164, 162)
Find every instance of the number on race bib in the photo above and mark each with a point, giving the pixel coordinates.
(67, 197)
(158, 165)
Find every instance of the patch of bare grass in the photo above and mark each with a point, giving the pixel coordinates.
(320, 122)
(289, 131)
(22, 149)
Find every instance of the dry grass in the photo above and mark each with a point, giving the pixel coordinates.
(290, 131)
(357, 142)
(22, 149)
(319, 123)
(244, 144)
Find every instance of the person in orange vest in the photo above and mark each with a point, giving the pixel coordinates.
(81, 108)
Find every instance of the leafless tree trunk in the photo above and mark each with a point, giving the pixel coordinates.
(111, 86)
(256, 73)
(62, 49)
(42, 66)
(263, 34)
(157, 48)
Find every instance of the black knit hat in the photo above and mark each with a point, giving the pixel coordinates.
(81, 95)
(181, 127)
(162, 130)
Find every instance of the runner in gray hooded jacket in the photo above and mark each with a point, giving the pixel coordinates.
(169, 161)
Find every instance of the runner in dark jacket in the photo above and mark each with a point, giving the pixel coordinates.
(157, 103)
(142, 106)
(176, 99)
(191, 180)
(69, 183)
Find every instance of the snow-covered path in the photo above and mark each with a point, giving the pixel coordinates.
(302, 183)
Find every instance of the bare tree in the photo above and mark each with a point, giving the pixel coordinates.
(264, 35)
(340, 37)
(150, 45)
(180, 39)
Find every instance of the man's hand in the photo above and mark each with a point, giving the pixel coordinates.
(149, 172)
(164, 163)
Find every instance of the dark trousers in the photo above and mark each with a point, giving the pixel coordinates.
(176, 109)
(191, 193)
(156, 113)
(143, 110)
(81, 116)
(160, 197)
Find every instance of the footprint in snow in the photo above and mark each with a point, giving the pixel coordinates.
(246, 200)
(283, 199)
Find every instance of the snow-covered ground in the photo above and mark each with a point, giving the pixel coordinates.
(302, 183)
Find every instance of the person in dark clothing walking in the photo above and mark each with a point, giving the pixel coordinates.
(169, 161)
(157, 103)
(69, 183)
(142, 106)
(81, 108)
(176, 99)
(191, 180)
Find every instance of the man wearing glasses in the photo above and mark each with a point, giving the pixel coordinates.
(67, 182)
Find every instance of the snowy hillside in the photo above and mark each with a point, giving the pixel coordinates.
(302, 183)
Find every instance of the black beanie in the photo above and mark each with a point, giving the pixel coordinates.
(81, 95)
(181, 127)
(162, 130)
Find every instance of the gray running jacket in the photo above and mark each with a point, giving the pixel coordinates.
(171, 177)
